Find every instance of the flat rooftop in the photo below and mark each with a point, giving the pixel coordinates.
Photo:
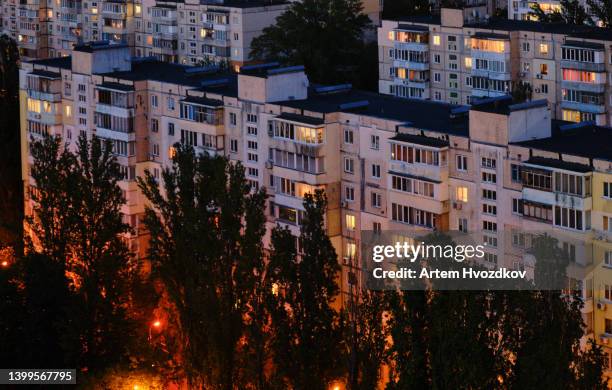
(588, 141)
(426, 115)
(577, 31)
(145, 69)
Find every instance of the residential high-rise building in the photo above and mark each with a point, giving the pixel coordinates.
(188, 31)
(498, 169)
(446, 59)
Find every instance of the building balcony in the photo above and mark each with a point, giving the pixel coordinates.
(487, 93)
(490, 55)
(299, 176)
(572, 201)
(584, 87)
(588, 66)
(118, 111)
(584, 107)
(47, 118)
(115, 134)
(412, 46)
(47, 96)
(504, 76)
(432, 172)
(422, 84)
(412, 65)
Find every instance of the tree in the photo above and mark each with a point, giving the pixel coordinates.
(77, 224)
(307, 336)
(11, 199)
(547, 343)
(521, 91)
(601, 10)
(209, 261)
(396, 8)
(326, 36)
(51, 221)
(572, 12)
(590, 368)
(365, 337)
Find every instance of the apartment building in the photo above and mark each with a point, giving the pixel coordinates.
(189, 31)
(193, 32)
(445, 59)
(522, 9)
(497, 169)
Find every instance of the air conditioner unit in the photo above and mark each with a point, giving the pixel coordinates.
(343, 204)
(537, 90)
(539, 76)
(457, 205)
(601, 306)
(346, 260)
(269, 164)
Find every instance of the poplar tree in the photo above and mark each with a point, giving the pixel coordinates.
(205, 246)
(307, 348)
(76, 224)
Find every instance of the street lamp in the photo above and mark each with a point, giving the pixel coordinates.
(155, 324)
(5, 264)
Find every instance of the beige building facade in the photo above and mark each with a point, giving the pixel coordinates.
(447, 59)
(499, 170)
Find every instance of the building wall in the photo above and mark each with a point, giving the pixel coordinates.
(354, 164)
(535, 58)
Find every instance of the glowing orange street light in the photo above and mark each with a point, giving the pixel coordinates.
(5, 264)
(155, 324)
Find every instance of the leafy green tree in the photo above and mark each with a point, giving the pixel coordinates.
(409, 326)
(521, 91)
(601, 10)
(307, 347)
(326, 36)
(77, 224)
(52, 217)
(50, 333)
(548, 342)
(590, 368)
(103, 266)
(572, 12)
(365, 337)
(209, 261)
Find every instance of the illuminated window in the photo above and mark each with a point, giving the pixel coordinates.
(544, 69)
(571, 115)
(462, 194)
(436, 40)
(137, 9)
(350, 222)
(488, 45)
(34, 105)
(68, 111)
(351, 250)
(468, 62)
(578, 76)
(544, 48)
